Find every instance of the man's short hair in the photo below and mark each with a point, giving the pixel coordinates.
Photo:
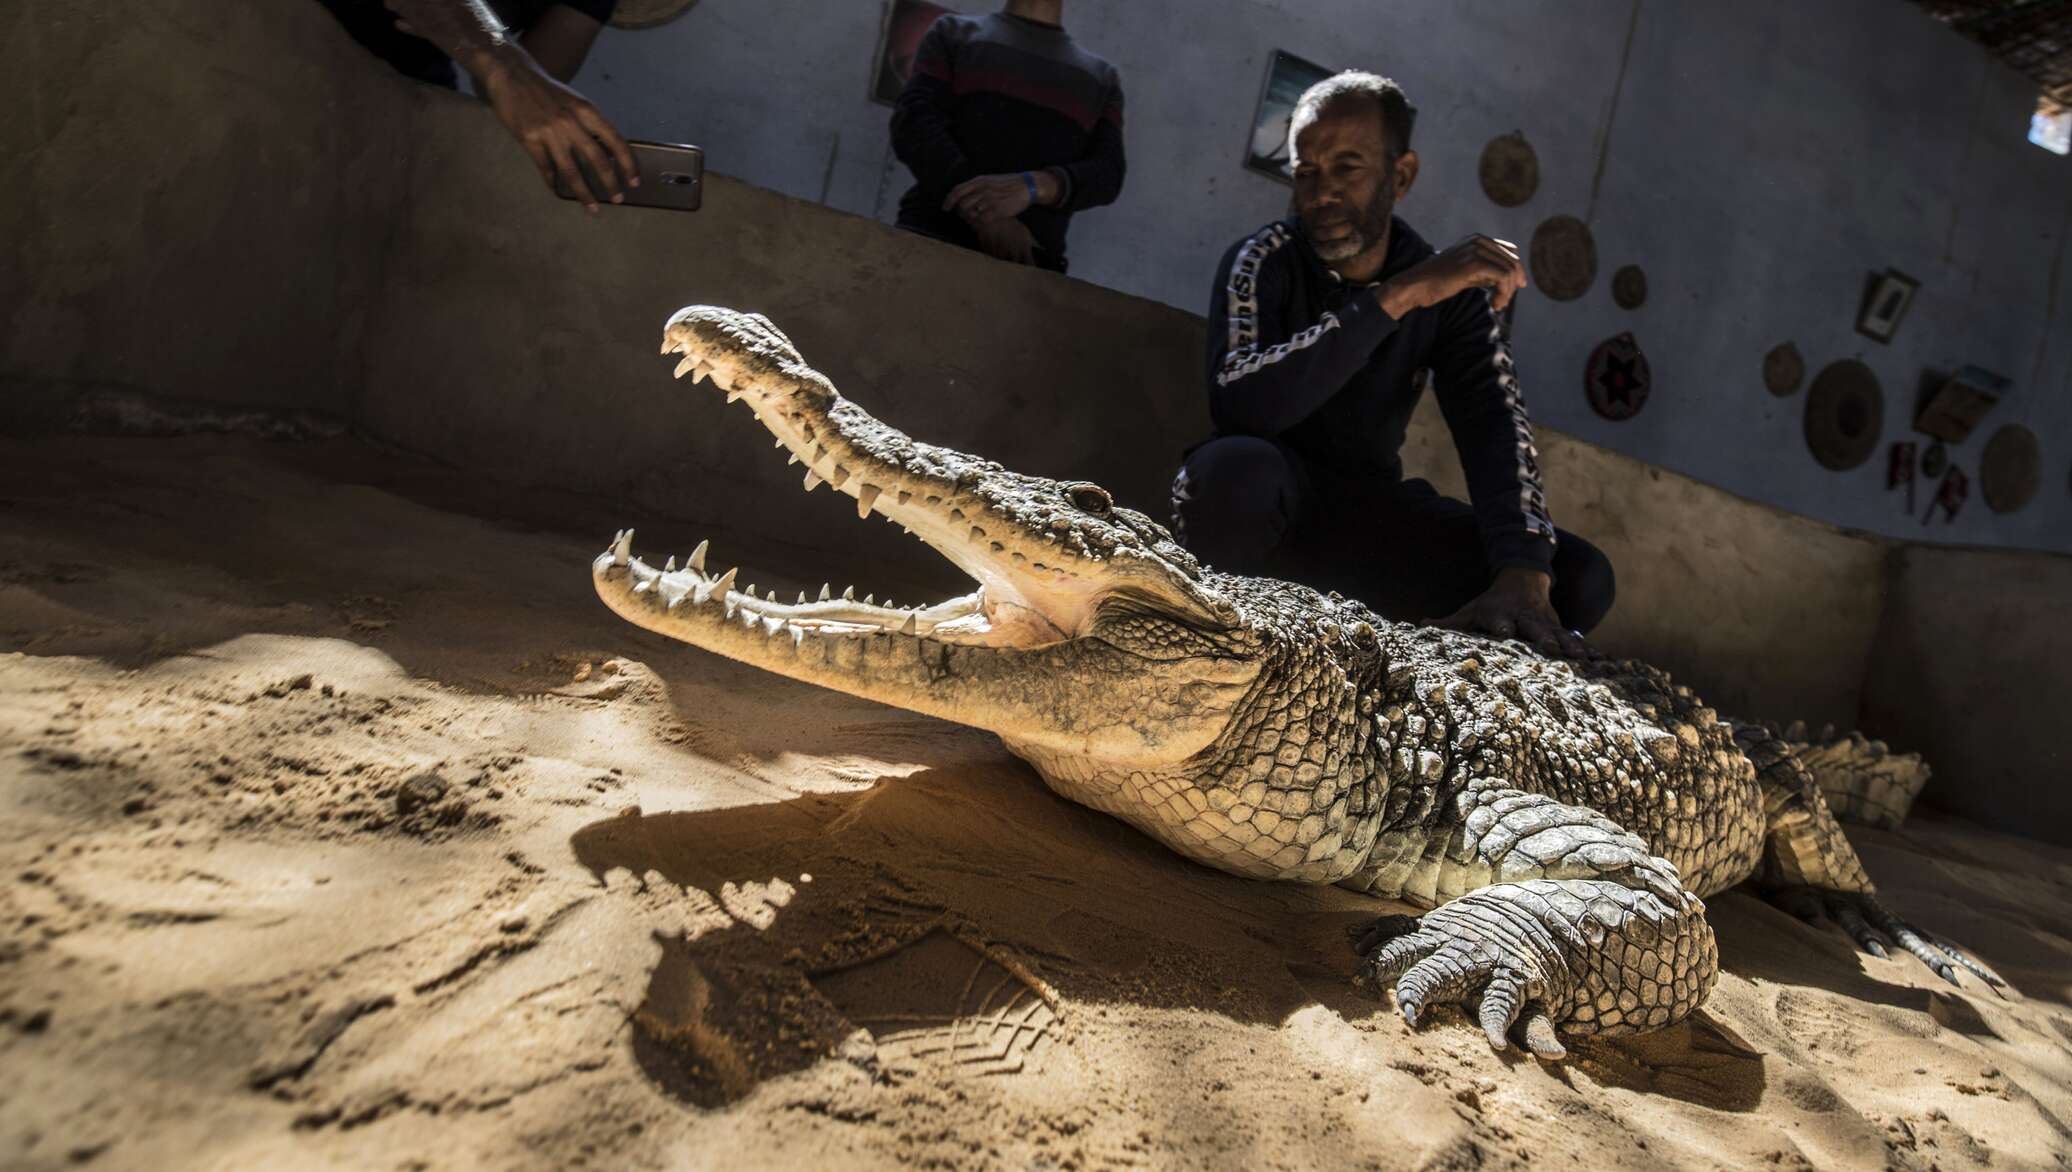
(1397, 114)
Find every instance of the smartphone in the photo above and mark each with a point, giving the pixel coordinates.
(672, 175)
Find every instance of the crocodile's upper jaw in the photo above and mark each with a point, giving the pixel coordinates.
(1047, 557)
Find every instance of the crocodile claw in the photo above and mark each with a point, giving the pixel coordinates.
(1583, 956)
(1876, 930)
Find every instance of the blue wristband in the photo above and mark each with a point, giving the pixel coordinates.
(1031, 181)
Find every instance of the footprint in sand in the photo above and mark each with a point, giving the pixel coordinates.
(940, 1000)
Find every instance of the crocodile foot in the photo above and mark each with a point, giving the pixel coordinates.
(1574, 956)
(1875, 930)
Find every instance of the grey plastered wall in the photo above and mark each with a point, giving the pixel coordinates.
(326, 235)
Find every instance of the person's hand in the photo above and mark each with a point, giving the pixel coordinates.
(1518, 605)
(1479, 262)
(1008, 239)
(556, 126)
(993, 197)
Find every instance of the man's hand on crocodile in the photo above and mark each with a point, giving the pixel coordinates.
(1519, 605)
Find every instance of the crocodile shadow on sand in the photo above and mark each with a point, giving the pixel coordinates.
(956, 915)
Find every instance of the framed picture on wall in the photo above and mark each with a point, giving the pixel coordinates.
(1884, 303)
(1286, 77)
(905, 23)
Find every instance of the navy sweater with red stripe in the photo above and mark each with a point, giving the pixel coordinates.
(1001, 94)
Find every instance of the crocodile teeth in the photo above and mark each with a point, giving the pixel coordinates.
(689, 364)
(802, 598)
(622, 547)
(697, 559)
(839, 476)
(826, 592)
(913, 624)
(868, 599)
(813, 480)
(726, 582)
(848, 594)
(669, 567)
(865, 498)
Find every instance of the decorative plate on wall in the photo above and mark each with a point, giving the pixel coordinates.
(2010, 469)
(1845, 412)
(1510, 170)
(1783, 369)
(1629, 287)
(648, 13)
(1564, 258)
(1618, 378)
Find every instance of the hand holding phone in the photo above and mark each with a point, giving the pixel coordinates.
(670, 175)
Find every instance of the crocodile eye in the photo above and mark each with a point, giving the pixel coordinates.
(1090, 498)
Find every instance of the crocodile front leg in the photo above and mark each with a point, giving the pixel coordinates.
(1582, 931)
(1582, 956)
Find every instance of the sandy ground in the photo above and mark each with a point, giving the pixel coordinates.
(340, 825)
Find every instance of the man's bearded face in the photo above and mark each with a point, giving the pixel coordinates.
(1345, 183)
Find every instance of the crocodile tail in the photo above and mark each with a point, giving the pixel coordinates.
(1863, 780)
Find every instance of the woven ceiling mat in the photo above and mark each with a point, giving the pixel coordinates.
(1510, 170)
(1845, 414)
(1564, 258)
(2010, 469)
(649, 13)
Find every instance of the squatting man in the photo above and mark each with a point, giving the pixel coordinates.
(1318, 329)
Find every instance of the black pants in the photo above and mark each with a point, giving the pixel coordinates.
(1250, 506)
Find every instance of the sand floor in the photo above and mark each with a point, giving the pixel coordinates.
(341, 826)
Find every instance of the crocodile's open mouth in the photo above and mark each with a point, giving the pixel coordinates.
(1035, 585)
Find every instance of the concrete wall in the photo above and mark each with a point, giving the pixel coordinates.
(384, 251)
(194, 195)
(1959, 627)
(1757, 157)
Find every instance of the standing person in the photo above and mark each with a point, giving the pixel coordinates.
(1009, 127)
(1317, 329)
(524, 80)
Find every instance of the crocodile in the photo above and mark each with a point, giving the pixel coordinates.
(1563, 821)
